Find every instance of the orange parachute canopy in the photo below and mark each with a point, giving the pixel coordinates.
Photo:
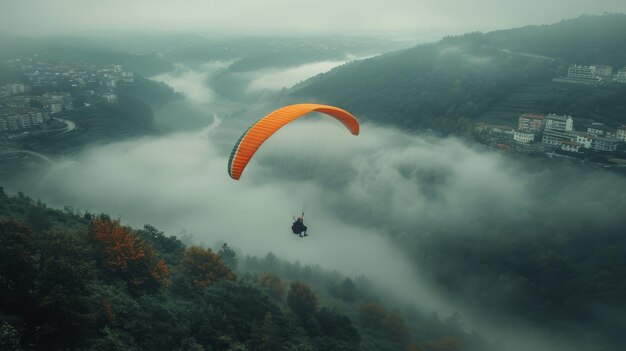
(256, 135)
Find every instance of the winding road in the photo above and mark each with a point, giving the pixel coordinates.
(69, 126)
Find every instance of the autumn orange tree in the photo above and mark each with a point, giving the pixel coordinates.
(204, 267)
(126, 253)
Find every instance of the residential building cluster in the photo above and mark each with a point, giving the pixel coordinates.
(46, 74)
(592, 75)
(46, 89)
(537, 132)
(25, 112)
(27, 119)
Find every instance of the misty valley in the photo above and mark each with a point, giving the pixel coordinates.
(466, 193)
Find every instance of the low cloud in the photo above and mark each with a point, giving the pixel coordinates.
(193, 83)
(360, 193)
(276, 79)
(365, 189)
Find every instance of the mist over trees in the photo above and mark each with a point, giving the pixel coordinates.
(75, 280)
(563, 281)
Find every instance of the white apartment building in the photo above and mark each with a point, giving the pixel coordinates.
(604, 70)
(621, 75)
(604, 144)
(16, 88)
(523, 136)
(558, 129)
(110, 98)
(559, 123)
(582, 72)
(621, 133)
(127, 77)
(19, 122)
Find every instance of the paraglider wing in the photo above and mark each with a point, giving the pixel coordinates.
(256, 135)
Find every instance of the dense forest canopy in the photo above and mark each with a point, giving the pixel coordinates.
(586, 40)
(75, 280)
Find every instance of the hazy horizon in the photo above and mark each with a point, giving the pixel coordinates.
(424, 20)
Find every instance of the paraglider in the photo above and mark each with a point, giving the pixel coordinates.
(252, 139)
(298, 226)
(255, 136)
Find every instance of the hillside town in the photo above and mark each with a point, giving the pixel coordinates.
(554, 135)
(49, 88)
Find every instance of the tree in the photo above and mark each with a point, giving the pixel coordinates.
(302, 300)
(17, 271)
(270, 263)
(339, 328)
(396, 327)
(9, 337)
(228, 256)
(126, 253)
(267, 333)
(190, 344)
(346, 290)
(372, 315)
(169, 247)
(65, 267)
(274, 285)
(203, 267)
(37, 218)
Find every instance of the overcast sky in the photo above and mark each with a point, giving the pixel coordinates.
(413, 18)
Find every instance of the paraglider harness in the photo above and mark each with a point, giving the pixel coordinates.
(298, 226)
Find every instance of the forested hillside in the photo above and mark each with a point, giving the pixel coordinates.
(584, 40)
(570, 283)
(448, 84)
(72, 280)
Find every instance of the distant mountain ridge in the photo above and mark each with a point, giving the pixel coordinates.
(584, 40)
(73, 49)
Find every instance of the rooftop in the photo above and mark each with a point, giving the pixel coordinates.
(605, 139)
(532, 115)
(557, 117)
